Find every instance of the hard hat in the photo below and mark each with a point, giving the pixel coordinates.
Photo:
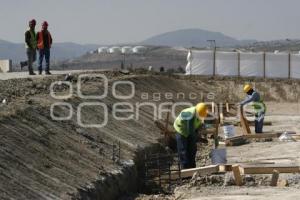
(201, 109)
(247, 88)
(45, 23)
(32, 22)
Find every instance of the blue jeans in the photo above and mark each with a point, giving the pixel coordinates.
(187, 149)
(259, 122)
(44, 53)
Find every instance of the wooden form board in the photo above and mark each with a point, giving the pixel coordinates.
(244, 122)
(237, 175)
(237, 169)
(269, 169)
(202, 171)
(240, 140)
(250, 123)
(275, 177)
(185, 173)
(229, 141)
(262, 135)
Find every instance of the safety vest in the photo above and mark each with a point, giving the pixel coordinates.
(40, 42)
(259, 106)
(33, 41)
(187, 122)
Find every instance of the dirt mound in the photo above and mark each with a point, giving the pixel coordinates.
(42, 158)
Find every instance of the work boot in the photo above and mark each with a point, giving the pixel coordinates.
(47, 73)
(40, 72)
(32, 73)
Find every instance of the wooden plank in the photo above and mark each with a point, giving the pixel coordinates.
(221, 118)
(250, 123)
(227, 107)
(237, 175)
(225, 168)
(241, 138)
(202, 171)
(269, 169)
(262, 135)
(244, 122)
(275, 177)
(228, 167)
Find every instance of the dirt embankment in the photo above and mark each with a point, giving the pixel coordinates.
(42, 158)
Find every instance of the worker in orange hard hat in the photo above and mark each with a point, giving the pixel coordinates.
(44, 42)
(258, 105)
(30, 44)
(186, 125)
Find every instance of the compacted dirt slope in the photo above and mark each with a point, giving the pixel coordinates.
(41, 158)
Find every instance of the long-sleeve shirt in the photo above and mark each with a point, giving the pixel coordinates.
(45, 39)
(255, 96)
(28, 39)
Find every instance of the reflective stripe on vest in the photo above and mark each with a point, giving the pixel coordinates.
(40, 42)
(259, 106)
(183, 122)
(33, 41)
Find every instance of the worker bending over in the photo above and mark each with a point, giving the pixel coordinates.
(258, 105)
(186, 125)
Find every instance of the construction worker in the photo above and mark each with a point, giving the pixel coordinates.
(44, 42)
(186, 125)
(258, 105)
(30, 44)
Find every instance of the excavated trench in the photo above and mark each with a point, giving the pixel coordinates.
(43, 158)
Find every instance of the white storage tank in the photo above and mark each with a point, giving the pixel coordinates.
(115, 49)
(139, 49)
(102, 50)
(126, 49)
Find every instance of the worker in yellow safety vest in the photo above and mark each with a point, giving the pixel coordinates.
(186, 125)
(31, 44)
(258, 105)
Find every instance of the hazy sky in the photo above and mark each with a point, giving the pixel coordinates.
(121, 21)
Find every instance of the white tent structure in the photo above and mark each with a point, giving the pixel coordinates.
(244, 64)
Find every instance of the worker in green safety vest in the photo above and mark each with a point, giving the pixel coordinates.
(258, 105)
(31, 45)
(186, 125)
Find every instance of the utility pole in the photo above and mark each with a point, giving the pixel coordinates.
(213, 44)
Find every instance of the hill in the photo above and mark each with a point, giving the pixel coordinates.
(193, 38)
(60, 51)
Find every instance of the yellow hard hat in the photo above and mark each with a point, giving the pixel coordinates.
(201, 109)
(247, 88)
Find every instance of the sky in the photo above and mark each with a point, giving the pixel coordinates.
(125, 21)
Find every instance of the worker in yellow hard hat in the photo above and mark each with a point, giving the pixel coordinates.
(186, 125)
(258, 105)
